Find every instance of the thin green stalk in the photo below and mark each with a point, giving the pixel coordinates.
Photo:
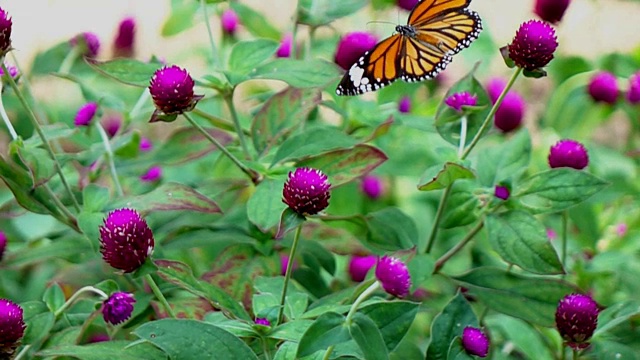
(487, 120)
(438, 218)
(22, 352)
(75, 296)
(575, 354)
(454, 250)
(218, 122)
(45, 142)
(287, 274)
(85, 326)
(71, 219)
(565, 228)
(139, 104)
(236, 122)
(463, 136)
(265, 348)
(159, 295)
(68, 61)
(109, 155)
(212, 43)
(295, 32)
(362, 297)
(5, 118)
(327, 354)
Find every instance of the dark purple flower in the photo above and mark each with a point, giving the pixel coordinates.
(89, 42)
(407, 4)
(172, 90)
(153, 174)
(394, 276)
(229, 20)
(11, 327)
(284, 50)
(284, 262)
(603, 87)
(263, 321)
(404, 106)
(307, 191)
(123, 45)
(475, 342)
(568, 153)
(352, 46)
(633, 94)
(145, 144)
(98, 338)
(5, 32)
(118, 308)
(621, 230)
(501, 192)
(85, 114)
(576, 319)
(359, 266)
(13, 71)
(511, 111)
(3, 244)
(125, 240)
(551, 234)
(458, 100)
(372, 186)
(111, 124)
(551, 10)
(533, 46)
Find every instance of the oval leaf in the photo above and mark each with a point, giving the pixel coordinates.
(172, 196)
(436, 177)
(448, 325)
(298, 73)
(107, 350)
(328, 329)
(126, 71)
(312, 142)
(390, 229)
(265, 206)
(246, 55)
(368, 337)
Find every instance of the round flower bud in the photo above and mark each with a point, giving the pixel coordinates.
(633, 94)
(172, 90)
(111, 124)
(3, 244)
(145, 144)
(372, 186)
(118, 308)
(501, 192)
(603, 87)
(352, 46)
(11, 327)
(551, 10)
(307, 191)
(394, 276)
(153, 174)
(359, 266)
(13, 71)
(511, 111)
(407, 4)
(533, 46)
(125, 240)
(5, 31)
(85, 114)
(404, 106)
(458, 100)
(263, 321)
(284, 50)
(89, 42)
(284, 262)
(568, 153)
(123, 45)
(475, 342)
(576, 319)
(229, 20)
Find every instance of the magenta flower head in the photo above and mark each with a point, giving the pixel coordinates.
(511, 111)
(576, 319)
(307, 191)
(124, 43)
(404, 106)
(284, 262)
(352, 46)
(85, 114)
(118, 308)
(458, 100)
(145, 144)
(501, 192)
(633, 94)
(533, 46)
(284, 50)
(11, 327)
(89, 43)
(5, 32)
(125, 240)
(394, 276)
(263, 321)
(111, 124)
(475, 342)
(603, 87)
(407, 4)
(372, 186)
(3, 244)
(13, 71)
(153, 174)
(359, 266)
(568, 153)
(172, 91)
(551, 10)
(230, 21)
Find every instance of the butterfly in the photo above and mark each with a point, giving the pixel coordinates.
(435, 31)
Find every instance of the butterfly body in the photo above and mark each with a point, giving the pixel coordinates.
(436, 30)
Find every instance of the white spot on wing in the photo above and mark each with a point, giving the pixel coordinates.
(355, 74)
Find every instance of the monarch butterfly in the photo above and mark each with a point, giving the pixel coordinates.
(436, 30)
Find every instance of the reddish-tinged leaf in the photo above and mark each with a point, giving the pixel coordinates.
(437, 177)
(185, 308)
(186, 144)
(172, 196)
(381, 129)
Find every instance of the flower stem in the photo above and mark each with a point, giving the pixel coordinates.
(139, 104)
(327, 354)
(565, 226)
(45, 142)
(85, 326)
(159, 295)
(77, 294)
(438, 218)
(574, 354)
(454, 250)
(463, 136)
(212, 43)
(236, 122)
(68, 61)
(71, 220)
(109, 155)
(22, 352)
(362, 297)
(5, 117)
(487, 120)
(218, 122)
(287, 274)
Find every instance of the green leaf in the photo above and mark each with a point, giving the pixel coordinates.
(53, 297)
(506, 161)
(171, 196)
(256, 23)
(393, 318)
(186, 144)
(437, 177)
(463, 206)
(246, 55)
(52, 132)
(126, 71)
(346, 165)
(181, 18)
(107, 350)
(291, 330)
(558, 189)
(524, 337)
(448, 325)
(180, 274)
(322, 12)
(37, 161)
(613, 316)
(89, 223)
(63, 248)
(390, 229)
(328, 329)
(312, 142)
(38, 327)
(190, 339)
(289, 220)
(458, 352)
(520, 239)
(533, 299)
(368, 337)
(298, 73)
(265, 206)
(94, 198)
(607, 349)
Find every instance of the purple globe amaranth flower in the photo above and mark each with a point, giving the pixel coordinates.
(230, 21)
(551, 11)
(89, 43)
(510, 113)
(153, 174)
(568, 153)
(394, 276)
(118, 308)
(145, 144)
(3, 244)
(263, 321)
(372, 186)
(11, 327)
(501, 192)
(576, 319)
(359, 266)
(475, 342)
(85, 114)
(125, 240)
(284, 50)
(551, 234)
(352, 46)
(533, 46)
(307, 191)
(603, 87)
(621, 230)
(407, 4)
(13, 71)
(172, 91)
(5, 32)
(111, 124)
(404, 106)
(284, 262)
(633, 94)
(123, 44)
(458, 100)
